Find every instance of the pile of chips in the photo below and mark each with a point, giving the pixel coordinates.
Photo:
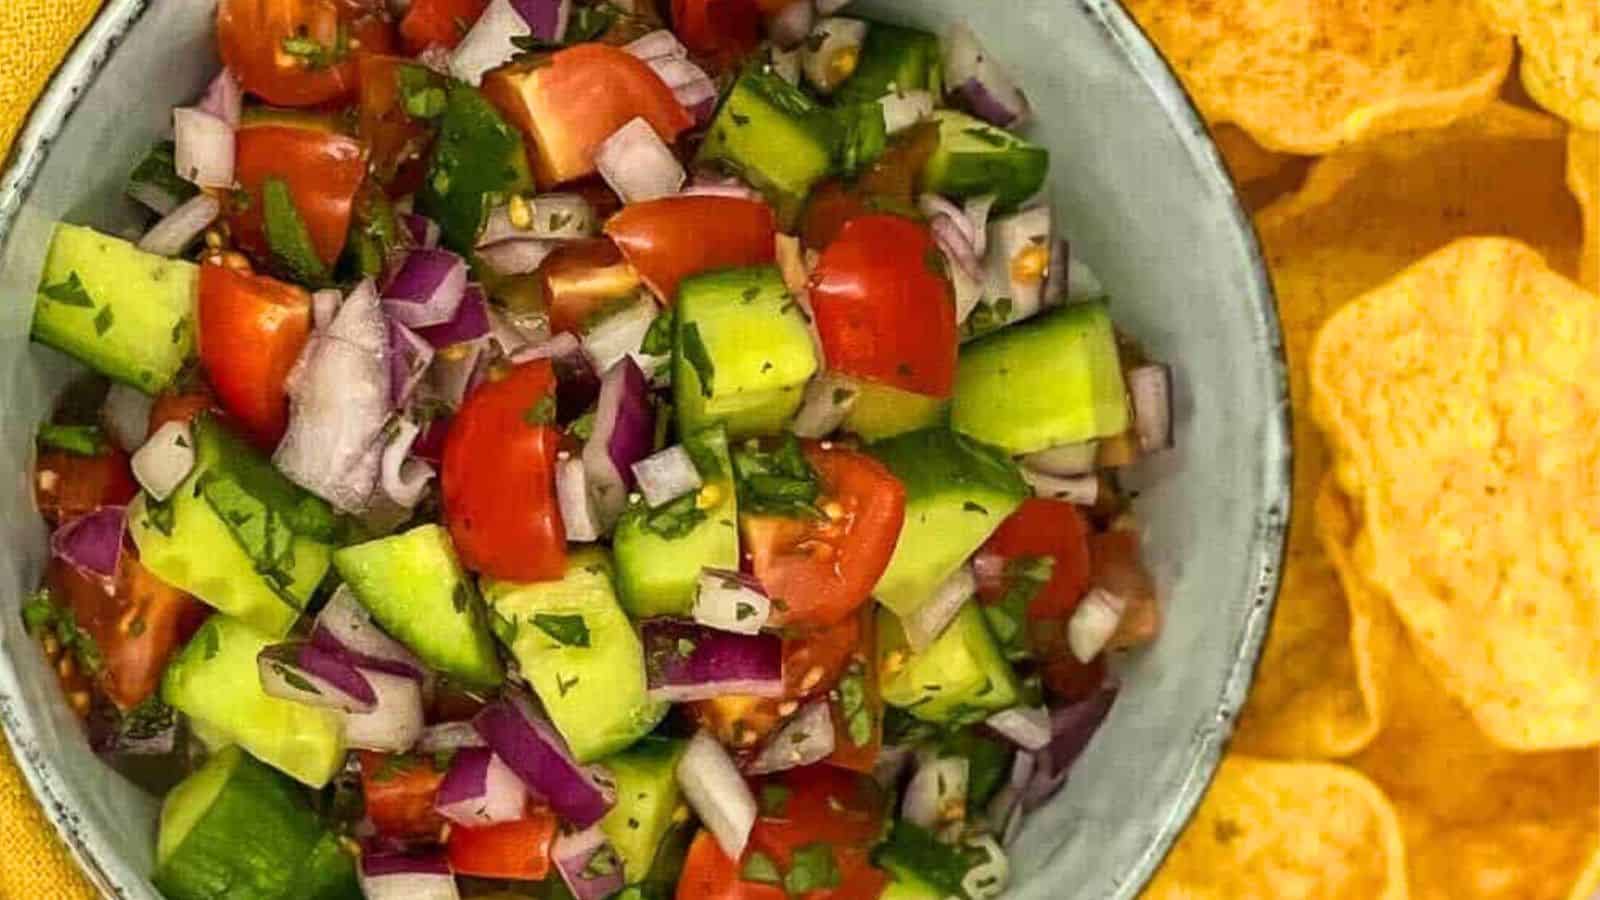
(1425, 179)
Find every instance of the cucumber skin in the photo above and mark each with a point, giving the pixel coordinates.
(882, 411)
(785, 144)
(257, 840)
(965, 663)
(965, 166)
(907, 59)
(648, 796)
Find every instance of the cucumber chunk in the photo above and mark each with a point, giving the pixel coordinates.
(125, 313)
(648, 800)
(894, 58)
(236, 828)
(959, 679)
(742, 352)
(775, 136)
(883, 411)
(975, 158)
(414, 586)
(578, 649)
(957, 493)
(1054, 380)
(660, 552)
(214, 680)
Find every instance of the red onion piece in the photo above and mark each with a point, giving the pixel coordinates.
(526, 741)
(547, 19)
(622, 334)
(224, 98)
(557, 346)
(409, 358)
(324, 306)
(470, 322)
(588, 863)
(929, 620)
(395, 723)
(308, 674)
(934, 205)
(92, 543)
(446, 737)
(165, 460)
(939, 783)
(511, 332)
(975, 76)
(830, 39)
(977, 210)
(893, 760)
(659, 44)
(1005, 810)
(1071, 728)
(458, 369)
(550, 217)
(204, 148)
(1150, 386)
(903, 109)
(731, 601)
(429, 445)
(480, 790)
(717, 793)
(1093, 623)
(1025, 232)
(427, 289)
(181, 227)
(624, 433)
(402, 478)
(424, 231)
(685, 661)
(344, 627)
(953, 240)
(665, 476)
(578, 513)
(638, 164)
(805, 739)
(407, 876)
(1026, 726)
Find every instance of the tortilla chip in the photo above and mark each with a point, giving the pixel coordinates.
(1286, 830)
(1460, 400)
(1479, 821)
(1310, 76)
(1247, 160)
(1363, 215)
(1560, 41)
(1583, 177)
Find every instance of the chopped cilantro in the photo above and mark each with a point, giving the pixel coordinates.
(775, 482)
(103, 320)
(774, 800)
(541, 413)
(760, 869)
(566, 630)
(81, 440)
(69, 292)
(812, 868)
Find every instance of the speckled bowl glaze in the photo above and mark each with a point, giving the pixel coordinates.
(1144, 199)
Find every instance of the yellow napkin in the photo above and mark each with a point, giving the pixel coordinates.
(34, 35)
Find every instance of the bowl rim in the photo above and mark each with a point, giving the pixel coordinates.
(99, 40)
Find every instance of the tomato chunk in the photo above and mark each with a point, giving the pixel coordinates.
(1040, 528)
(884, 306)
(582, 278)
(400, 791)
(668, 240)
(516, 851)
(396, 138)
(723, 30)
(66, 485)
(499, 478)
(820, 570)
(252, 329)
(439, 23)
(322, 169)
(300, 52)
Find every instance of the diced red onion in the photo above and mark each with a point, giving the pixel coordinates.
(792, 23)
(446, 737)
(165, 460)
(513, 331)
(480, 790)
(791, 259)
(402, 478)
(977, 210)
(519, 257)
(308, 674)
(456, 370)
(1065, 461)
(934, 205)
(974, 75)
(903, 109)
(685, 661)
(345, 627)
(622, 334)
(488, 44)
(924, 626)
(1026, 726)
(637, 164)
(658, 44)
(407, 876)
(427, 289)
(324, 306)
(92, 543)
(547, 19)
(1005, 810)
(698, 96)
(624, 433)
(1009, 238)
(1093, 623)
(424, 232)
(665, 476)
(957, 246)
(1072, 727)
(392, 726)
(532, 748)
(805, 739)
(409, 358)
(557, 346)
(224, 98)
(126, 415)
(731, 601)
(827, 403)
(181, 227)
(989, 568)
(1083, 490)
(578, 513)
(551, 217)
(588, 863)
(893, 760)
(204, 148)
(1150, 386)
(717, 793)
(437, 58)
(470, 322)
(938, 786)
(829, 38)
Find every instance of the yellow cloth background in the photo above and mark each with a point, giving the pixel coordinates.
(34, 35)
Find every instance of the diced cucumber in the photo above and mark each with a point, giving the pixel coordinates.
(414, 586)
(578, 649)
(479, 157)
(894, 58)
(976, 158)
(919, 865)
(648, 799)
(660, 552)
(957, 493)
(214, 680)
(155, 181)
(742, 352)
(237, 534)
(1054, 380)
(121, 311)
(959, 679)
(236, 828)
(775, 136)
(883, 411)
(863, 136)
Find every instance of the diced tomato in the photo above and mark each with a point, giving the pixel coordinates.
(136, 621)
(439, 23)
(890, 183)
(860, 669)
(252, 329)
(400, 791)
(394, 137)
(1042, 528)
(708, 874)
(67, 485)
(516, 851)
(1064, 676)
(323, 171)
(723, 30)
(884, 306)
(668, 240)
(499, 478)
(820, 570)
(300, 52)
(582, 278)
(1115, 565)
(569, 103)
(181, 406)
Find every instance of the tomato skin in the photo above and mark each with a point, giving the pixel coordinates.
(884, 311)
(395, 139)
(669, 239)
(252, 329)
(569, 103)
(438, 23)
(399, 792)
(724, 30)
(1042, 527)
(67, 485)
(516, 851)
(499, 479)
(323, 171)
(580, 278)
(823, 570)
(847, 754)
(250, 35)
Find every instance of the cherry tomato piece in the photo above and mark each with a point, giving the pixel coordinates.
(400, 791)
(439, 23)
(396, 138)
(669, 239)
(1041, 528)
(252, 329)
(581, 278)
(67, 485)
(323, 171)
(300, 52)
(723, 30)
(515, 851)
